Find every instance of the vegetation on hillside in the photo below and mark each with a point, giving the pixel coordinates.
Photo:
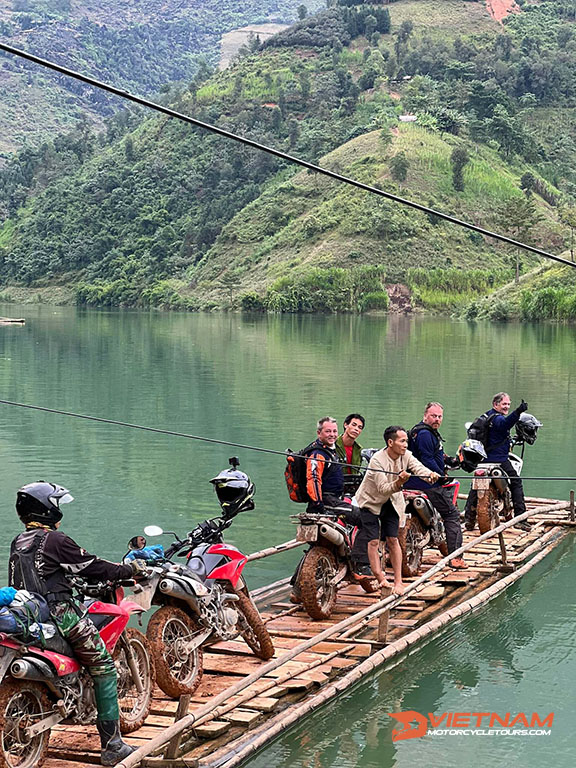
(137, 46)
(152, 212)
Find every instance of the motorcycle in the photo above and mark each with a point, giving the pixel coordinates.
(328, 561)
(424, 527)
(42, 685)
(490, 481)
(201, 602)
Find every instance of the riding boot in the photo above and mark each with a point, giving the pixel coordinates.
(113, 748)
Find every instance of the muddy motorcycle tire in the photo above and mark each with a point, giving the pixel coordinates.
(177, 670)
(22, 701)
(318, 595)
(134, 706)
(252, 629)
(486, 511)
(411, 552)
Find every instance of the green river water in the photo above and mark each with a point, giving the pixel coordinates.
(264, 381)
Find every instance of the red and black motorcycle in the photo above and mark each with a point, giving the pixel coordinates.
(42, 685)
(205, 600)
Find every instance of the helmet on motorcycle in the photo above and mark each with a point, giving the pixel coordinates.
(235, 491)
(40, 502)
(470, 454)
(527, 428)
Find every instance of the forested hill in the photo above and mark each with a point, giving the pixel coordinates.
(431, 99)
(134, 44)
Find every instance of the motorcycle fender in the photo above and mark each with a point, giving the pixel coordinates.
(7, 656)
(481, 483)
(307, 533)
(132, 606)
(143, 599)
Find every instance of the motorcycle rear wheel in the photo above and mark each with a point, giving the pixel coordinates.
(177, 670)
(252, 628)
(408, 538)
(487, 512)
(22, 704)
(318, 594)
(134, 707)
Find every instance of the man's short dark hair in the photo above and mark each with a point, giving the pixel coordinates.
(391, 432)
(349, 418)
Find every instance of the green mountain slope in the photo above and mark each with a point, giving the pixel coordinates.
(138, 46)
(156, 213)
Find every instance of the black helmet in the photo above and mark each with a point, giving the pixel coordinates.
(471, 453)
(40, 502)
(235, 491)
(527, 428)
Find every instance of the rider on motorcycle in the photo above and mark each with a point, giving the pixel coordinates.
(40, 559)
(497, 450)
(425, 442)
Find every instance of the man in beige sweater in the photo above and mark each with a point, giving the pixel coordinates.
(382, 504)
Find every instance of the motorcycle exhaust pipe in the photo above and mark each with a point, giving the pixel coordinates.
(424, 510)
(500, 479)
(333, 536)
(170, 587)
(27, 670)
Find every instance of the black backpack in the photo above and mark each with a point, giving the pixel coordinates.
(480, 428)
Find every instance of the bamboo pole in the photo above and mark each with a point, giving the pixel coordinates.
(374, 610)
(287, 545)
(256, 739)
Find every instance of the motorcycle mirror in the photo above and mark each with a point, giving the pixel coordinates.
(137, 542)
(153, 530)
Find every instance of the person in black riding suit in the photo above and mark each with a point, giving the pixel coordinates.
(425, 442)
(497, 451)
(40, 559)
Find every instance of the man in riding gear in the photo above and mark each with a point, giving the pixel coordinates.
(497, 450)
(425, 442)
(40, 560)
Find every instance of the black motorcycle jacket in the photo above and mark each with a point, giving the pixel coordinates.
(41, 559)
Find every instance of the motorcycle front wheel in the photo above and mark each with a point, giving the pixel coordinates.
(252, 628)
(487, 510)
(410, 539)
(317, 591)
(22, 704)
(134, 705)
(178, 670)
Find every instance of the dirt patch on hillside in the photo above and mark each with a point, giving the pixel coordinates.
(399, 295)
(499, 9)
(232, 41)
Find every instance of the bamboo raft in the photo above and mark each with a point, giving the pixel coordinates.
(243, 703)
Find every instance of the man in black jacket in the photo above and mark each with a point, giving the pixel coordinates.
(40, 559)
(425, 442)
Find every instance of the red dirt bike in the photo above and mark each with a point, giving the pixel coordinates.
(43, 686)
(202, 602)
(424, 527)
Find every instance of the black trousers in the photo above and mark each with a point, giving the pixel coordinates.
(516, 489)
(441, 499)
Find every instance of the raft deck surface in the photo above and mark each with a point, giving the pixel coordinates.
(269, 705)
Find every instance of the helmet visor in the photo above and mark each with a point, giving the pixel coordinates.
(57, 500)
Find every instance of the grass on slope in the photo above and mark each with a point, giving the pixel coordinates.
(310, 221)
(448, 17)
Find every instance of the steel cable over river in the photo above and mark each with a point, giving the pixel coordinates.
(160, 431)
(276, 152)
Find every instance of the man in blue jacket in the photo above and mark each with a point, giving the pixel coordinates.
(425, 442)
(497, 450)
